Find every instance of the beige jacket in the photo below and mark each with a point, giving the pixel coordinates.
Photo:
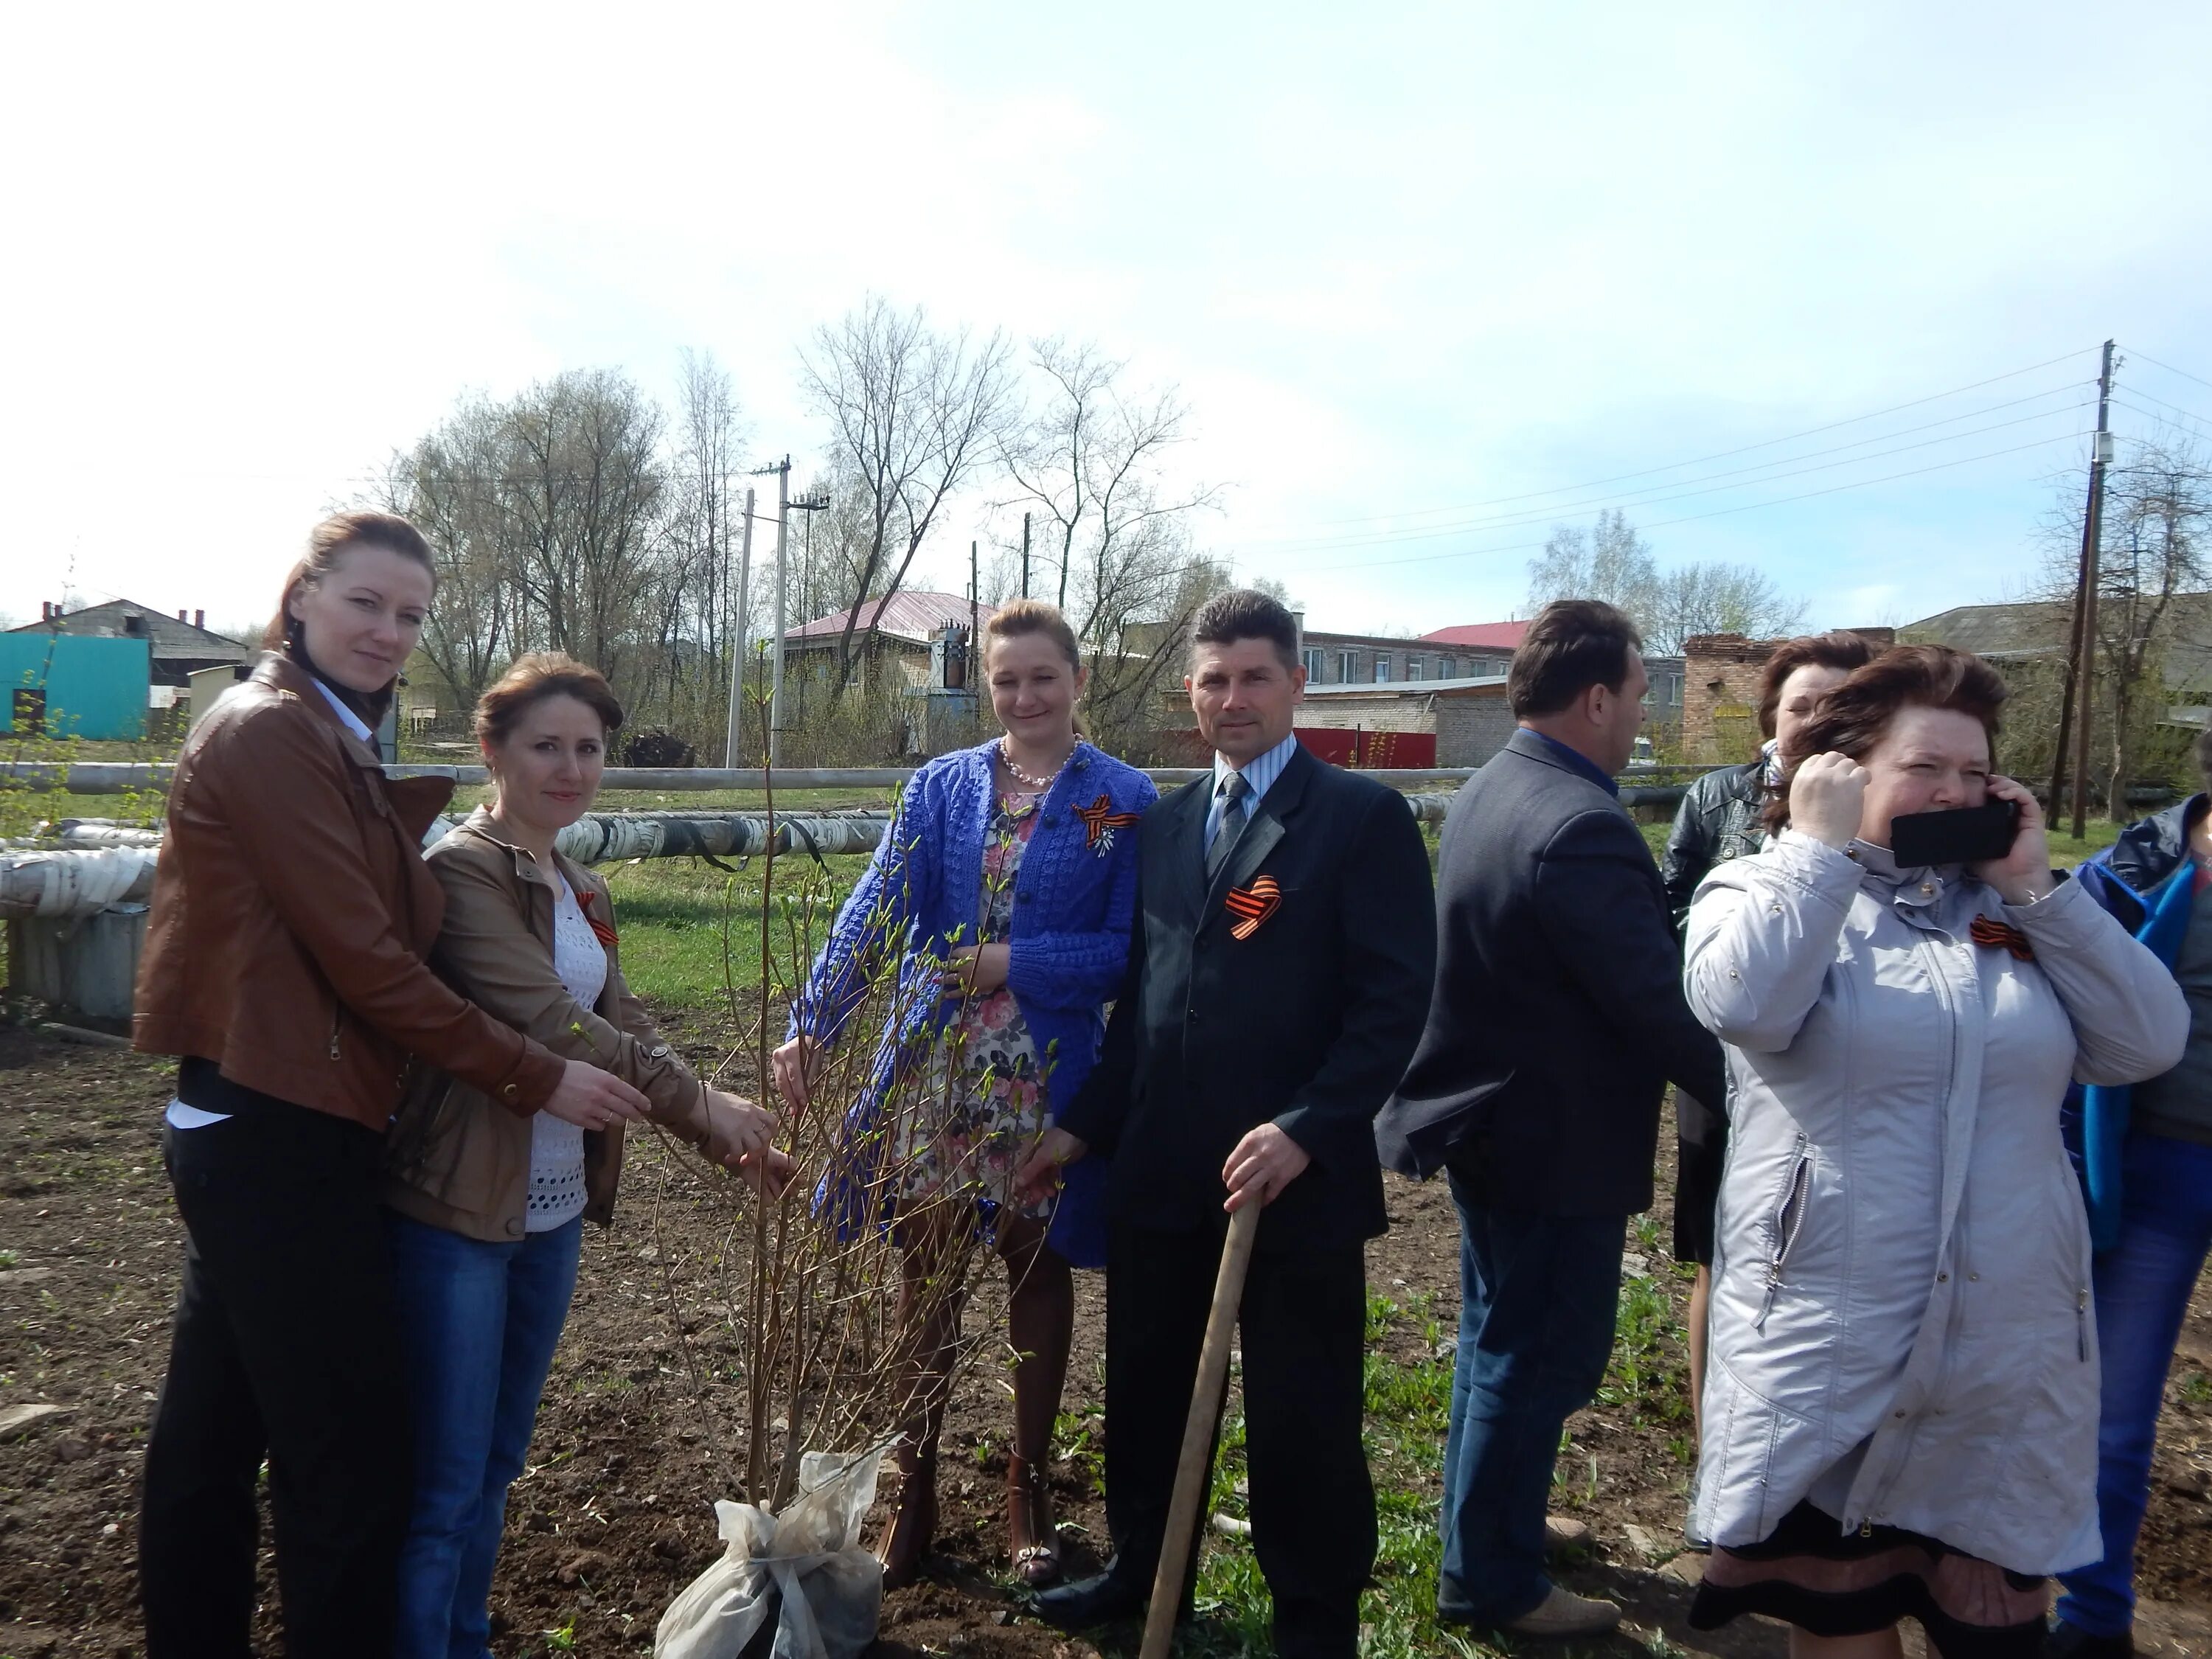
(456, 1161)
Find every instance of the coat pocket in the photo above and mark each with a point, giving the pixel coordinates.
(1787, 1221)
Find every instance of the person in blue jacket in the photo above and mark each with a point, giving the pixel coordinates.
(1007, 888)
(2146, 1162)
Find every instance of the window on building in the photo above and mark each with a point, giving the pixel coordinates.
(1347, 666)
(1413, 668)
(1444, 667)
(1381, 668)
(1315, 657)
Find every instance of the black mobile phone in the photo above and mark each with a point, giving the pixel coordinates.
(1966, 834)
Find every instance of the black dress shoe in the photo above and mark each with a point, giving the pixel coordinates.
(1099, 1599)
(2072, 1642)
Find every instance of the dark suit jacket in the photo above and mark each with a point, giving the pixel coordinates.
(1557, 1019)
(1307, 1023)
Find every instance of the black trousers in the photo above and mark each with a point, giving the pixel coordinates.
(1302, 1327)
(286, 1346)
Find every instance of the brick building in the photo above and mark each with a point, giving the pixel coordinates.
(1472, 650)
(1720, 692)
(1469, 717)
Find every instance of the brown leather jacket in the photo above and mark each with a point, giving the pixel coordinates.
(452, 1161)
(292, 914)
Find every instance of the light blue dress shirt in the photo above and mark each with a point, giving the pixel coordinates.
(1259, 774)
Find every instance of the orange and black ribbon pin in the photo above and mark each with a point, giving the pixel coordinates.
(1994, 935)
(602, 931)
(1100, 821)
(1251, 906)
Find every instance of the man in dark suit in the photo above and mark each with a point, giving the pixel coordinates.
(1558, 1021)
(1276, 980)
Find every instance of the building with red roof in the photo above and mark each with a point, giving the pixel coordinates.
(1482, 637)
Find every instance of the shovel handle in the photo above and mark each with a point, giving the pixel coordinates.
(1198, 1433)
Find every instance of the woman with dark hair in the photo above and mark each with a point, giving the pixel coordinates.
(2147, 1166)
(1009, 884)
(1901, 1408)
(486, 1210)
(284, 964)
(1721, 818)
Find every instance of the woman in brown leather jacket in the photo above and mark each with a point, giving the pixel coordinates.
(284, 962)
(487, 1211)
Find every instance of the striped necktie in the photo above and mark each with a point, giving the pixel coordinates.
(1232, 792)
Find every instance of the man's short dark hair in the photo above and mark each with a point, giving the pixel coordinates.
(1573, 645)
(2203, 750)
(1244, 613)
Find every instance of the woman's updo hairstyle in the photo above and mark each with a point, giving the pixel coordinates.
(328, 543)
(1018, 617)
(1851, 719)
(530, 681)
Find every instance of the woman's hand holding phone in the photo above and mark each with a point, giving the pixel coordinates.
(2023, 875)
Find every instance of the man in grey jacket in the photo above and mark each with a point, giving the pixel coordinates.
(1556, 1021)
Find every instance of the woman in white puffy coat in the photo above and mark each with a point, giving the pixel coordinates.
(1900, 1409)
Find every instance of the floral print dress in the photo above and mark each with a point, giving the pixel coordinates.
(985, 1105)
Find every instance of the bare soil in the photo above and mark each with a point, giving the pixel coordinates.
(613, 1518)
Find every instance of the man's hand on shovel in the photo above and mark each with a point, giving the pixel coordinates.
(1262, 1164)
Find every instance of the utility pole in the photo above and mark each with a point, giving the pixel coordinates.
(2085, 605)
(1025, 555)
(743, 641)
(810, 505)
(975, 654)
(782, 471)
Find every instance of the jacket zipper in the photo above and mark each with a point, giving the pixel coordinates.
(336, 1016)
(2082, 1324)
(1788, 1221)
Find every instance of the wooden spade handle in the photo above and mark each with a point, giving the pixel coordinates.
(1198, 1433)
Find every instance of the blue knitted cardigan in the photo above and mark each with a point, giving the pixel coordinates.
(1074, 904)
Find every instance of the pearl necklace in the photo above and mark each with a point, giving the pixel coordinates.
(1030, 778)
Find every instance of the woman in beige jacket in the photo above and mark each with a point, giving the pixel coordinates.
(485, 1209)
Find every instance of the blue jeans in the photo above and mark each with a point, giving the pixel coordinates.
(479, 1323)
(1538, 1295)
(2142, 1285)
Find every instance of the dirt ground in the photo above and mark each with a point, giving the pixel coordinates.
(613, 1518)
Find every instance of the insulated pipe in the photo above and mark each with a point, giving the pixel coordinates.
(120, 777)
(75, 884)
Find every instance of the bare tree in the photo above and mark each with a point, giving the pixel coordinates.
(706, 498)
(1716, 598)
(2156, 555)
(1089, 468)
(1611, 562)
(449, 484)
(914, 414)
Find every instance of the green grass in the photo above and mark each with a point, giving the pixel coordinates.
(1408, 1407)
(676, 915)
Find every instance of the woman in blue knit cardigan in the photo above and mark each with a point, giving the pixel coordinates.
(1008, 883)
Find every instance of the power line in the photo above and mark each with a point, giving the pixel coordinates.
(1692, 518)
(1647, 498)
(2145, 357)
(2184, 413)
(1725, 454)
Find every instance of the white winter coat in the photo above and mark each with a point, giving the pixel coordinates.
(1901, 1320)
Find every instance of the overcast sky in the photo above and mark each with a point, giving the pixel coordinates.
(1418, 271)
